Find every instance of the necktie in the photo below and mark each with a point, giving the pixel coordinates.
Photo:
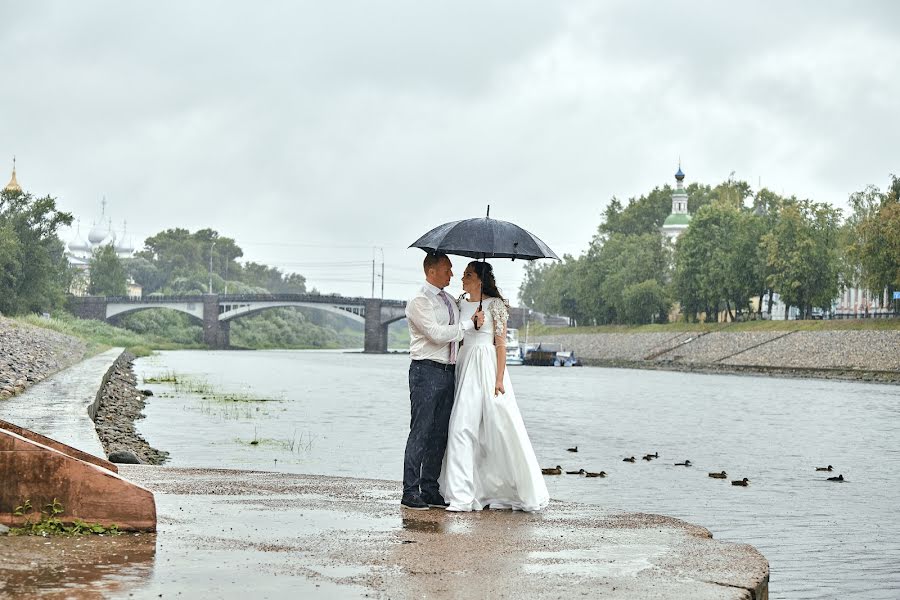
(446, 300)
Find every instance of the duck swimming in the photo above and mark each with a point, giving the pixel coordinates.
(649, 457)
(828, 468)
(838, 478)
(631, 459)
(721, 475)
(552, 471)
(686, 463)
(578, 472)
(600, 474)
(574, 449)
(741, 482)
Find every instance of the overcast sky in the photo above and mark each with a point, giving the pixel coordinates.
(313, 132)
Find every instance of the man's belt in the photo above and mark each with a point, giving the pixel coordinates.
(436, 365)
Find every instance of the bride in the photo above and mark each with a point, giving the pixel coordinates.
(489, 459)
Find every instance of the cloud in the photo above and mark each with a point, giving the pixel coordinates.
(313, 132)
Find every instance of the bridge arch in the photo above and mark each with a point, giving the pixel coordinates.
(230, 312)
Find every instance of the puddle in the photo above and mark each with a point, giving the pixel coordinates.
(273, 519)
(604, 561)
(425, 526)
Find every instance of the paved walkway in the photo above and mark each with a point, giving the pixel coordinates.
(61, 407)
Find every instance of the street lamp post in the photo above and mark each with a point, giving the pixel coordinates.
(213, 245)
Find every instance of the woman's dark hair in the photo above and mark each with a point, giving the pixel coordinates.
(485, 272)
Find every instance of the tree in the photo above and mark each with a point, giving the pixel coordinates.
(33, 268)
(873, 238)
(802, 253)
(107, 273)
(611, 266)
(716, 260)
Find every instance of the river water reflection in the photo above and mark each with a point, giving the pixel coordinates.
(346, 414)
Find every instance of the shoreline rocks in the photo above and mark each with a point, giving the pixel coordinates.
(121, 404)
(31, 354)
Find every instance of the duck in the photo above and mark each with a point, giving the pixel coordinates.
(630, 459)
(649, 457)
(686, 463)
(828, 468)
(741, 482)
(578, 472)
(552, 471)
(574, 449)
(590, 474)
(838, 478)
(721, 475)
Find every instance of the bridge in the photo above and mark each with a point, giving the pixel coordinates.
(216, 312)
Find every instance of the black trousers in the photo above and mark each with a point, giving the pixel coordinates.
(431, 400)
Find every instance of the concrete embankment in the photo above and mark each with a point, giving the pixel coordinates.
(864, 355)
(103, 401)
(223, 533)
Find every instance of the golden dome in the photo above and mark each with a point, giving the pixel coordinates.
(13, 185)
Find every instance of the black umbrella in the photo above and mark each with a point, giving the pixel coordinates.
(484, 238)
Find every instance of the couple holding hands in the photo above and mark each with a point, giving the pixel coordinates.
(467, 447)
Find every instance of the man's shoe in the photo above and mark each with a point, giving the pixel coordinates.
(413, 503)
(435, 500)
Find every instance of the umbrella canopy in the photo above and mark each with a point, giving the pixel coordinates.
(484, 238)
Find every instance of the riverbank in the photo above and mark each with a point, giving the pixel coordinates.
(121, 404)
(30, 354)
(851, 354)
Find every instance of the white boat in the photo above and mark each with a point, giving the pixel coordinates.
(513, 350)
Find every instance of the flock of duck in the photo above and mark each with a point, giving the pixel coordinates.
(558, 470)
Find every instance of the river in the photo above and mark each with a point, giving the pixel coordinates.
(347, 414)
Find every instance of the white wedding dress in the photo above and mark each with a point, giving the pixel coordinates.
(489, 458)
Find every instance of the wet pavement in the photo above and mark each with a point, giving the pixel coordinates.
(61, 407)
(224, 533)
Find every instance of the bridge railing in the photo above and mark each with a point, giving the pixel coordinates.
(312, 298)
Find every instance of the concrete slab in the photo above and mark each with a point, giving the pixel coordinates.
(224, 533)
(62, 407)
(43, 475)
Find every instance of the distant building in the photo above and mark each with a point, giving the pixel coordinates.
(679, 220)
(101, 234)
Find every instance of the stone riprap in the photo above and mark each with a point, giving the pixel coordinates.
(31, 354)
(862, 350)
(720, 346)
(618, 346)
(121, 404)
(872, 355)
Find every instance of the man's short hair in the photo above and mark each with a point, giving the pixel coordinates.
(432, 260)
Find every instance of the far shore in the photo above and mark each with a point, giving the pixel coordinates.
(861, 350)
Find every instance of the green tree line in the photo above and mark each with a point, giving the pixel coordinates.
(739, 246)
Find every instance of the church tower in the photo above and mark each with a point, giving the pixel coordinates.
(679, 220)
(13, 185)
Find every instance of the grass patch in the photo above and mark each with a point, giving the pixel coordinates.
(50, 522)
(101, 336)
(807, 325)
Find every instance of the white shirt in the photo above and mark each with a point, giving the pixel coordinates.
(430, 332)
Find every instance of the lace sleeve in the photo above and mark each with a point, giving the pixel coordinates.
(500, 315)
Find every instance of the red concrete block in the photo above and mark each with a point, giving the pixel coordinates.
(30, 470)
(43, 439)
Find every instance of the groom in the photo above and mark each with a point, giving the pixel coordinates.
(434, 334)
